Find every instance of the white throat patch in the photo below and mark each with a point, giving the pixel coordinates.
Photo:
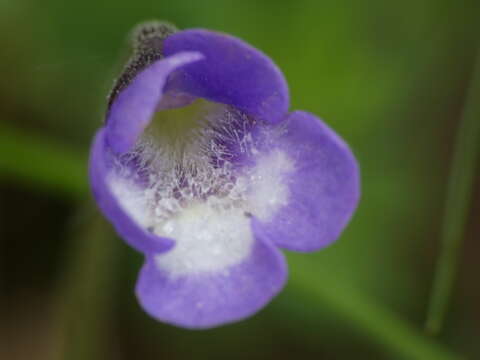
(204, 207)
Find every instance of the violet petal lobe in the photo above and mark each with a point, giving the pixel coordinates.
(233, 73)
(100, 170)
(206, 300)
(323, 186)
(134, 107)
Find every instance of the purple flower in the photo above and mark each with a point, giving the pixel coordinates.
(201, 167)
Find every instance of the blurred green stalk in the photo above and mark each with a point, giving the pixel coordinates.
(86, 292)
(41, 163)
(371, 320)
(459, 193)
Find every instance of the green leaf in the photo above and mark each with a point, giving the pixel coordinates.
(459, 195)
(42, 163)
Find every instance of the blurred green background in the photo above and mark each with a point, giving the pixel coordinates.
(390, 77)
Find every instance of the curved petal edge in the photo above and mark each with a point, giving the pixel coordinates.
(211, 299)
(324, 186)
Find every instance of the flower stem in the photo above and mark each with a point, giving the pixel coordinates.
(42, 163)
(381, 326)
(85, 292)
(459, 194)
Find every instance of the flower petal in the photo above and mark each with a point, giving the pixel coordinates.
(232, 73)
(210, 299)
(323, 187)
(100, 169)
(134, 107)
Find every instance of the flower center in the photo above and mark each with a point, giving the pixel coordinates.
(185, 180)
